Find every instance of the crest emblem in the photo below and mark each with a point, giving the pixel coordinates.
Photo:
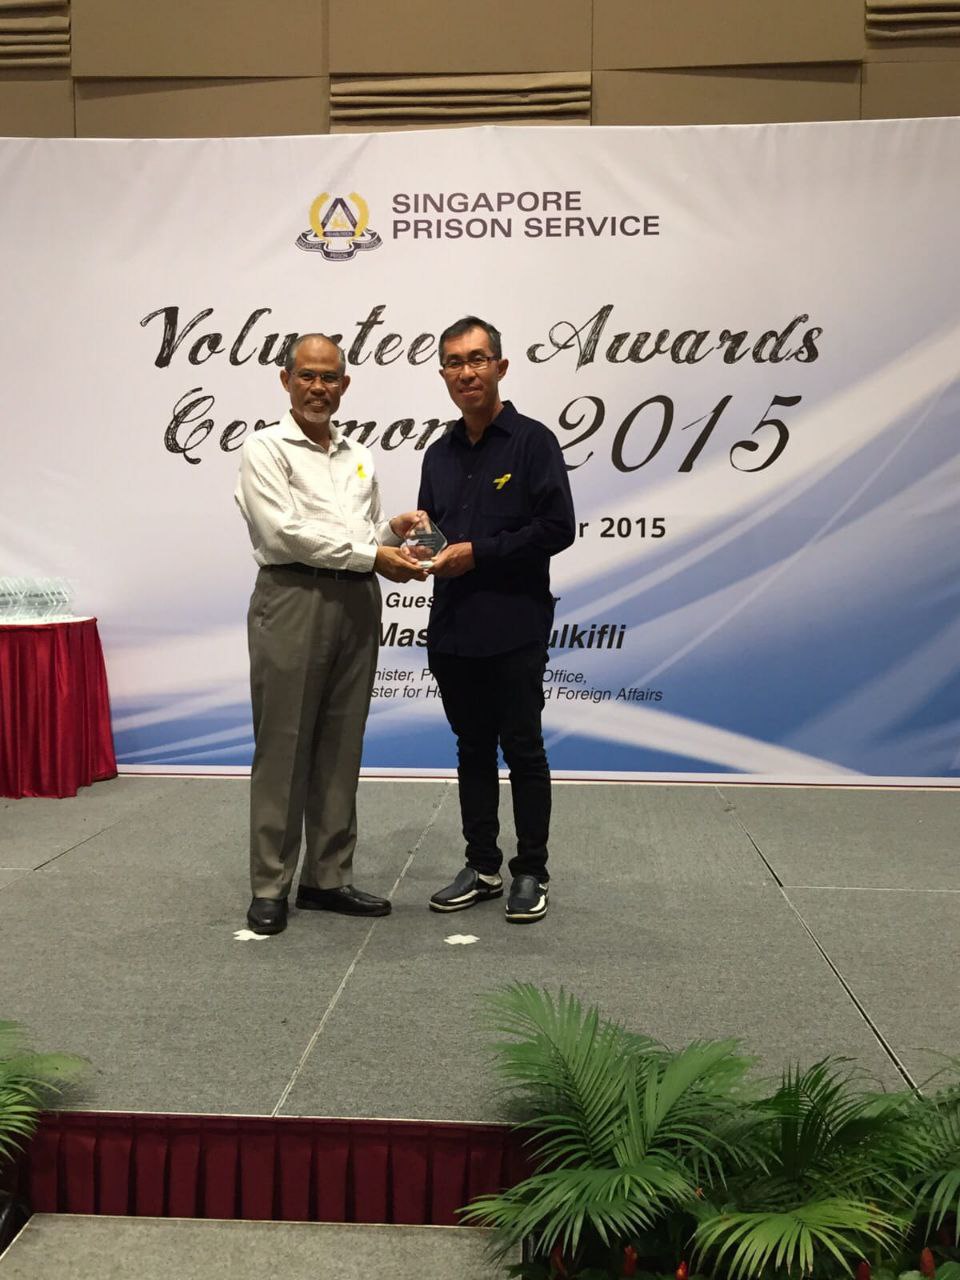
(339, 227)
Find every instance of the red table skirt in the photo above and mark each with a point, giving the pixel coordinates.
(54, 709)
(272, 1168)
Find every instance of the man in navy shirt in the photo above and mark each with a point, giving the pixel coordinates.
(497, 487)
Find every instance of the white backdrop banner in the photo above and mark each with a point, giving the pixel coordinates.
(747, 341)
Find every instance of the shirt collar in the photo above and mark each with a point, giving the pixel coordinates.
(505, 421)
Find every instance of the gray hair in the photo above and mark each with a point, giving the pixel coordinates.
(291, 356)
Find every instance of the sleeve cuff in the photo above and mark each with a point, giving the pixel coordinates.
(484, 550)
(386, 537)
(362, 559)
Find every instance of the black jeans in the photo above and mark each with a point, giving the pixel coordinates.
(491, 701)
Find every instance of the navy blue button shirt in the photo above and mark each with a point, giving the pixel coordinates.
(509, 496)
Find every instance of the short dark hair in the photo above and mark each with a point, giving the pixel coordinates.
(291, 357)
(460, 327)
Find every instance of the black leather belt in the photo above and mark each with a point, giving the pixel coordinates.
(317, 571)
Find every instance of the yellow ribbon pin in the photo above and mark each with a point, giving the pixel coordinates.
(500, 481)
(360, 471)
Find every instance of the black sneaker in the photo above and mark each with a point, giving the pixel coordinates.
(527, 901)
(469, 888)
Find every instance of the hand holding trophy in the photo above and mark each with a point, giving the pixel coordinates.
(424, 541)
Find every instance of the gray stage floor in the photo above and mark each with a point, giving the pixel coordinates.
(803, 920)
(104, 1248)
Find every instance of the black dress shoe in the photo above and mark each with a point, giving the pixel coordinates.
(348, 900)
(267, 915)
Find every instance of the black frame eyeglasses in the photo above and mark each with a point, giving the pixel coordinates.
(308, 378)
(476, 361)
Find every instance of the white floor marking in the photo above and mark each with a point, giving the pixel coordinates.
(867, 888)
(461, 939)
(346, 977)
(247, 935)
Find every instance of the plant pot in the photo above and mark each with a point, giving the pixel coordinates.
(13, 1215)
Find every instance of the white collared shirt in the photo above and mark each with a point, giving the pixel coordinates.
(308, 505)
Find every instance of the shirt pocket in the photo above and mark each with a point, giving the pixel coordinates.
(503, 506)
(360, 487)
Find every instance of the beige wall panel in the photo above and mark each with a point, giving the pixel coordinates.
(522, 122)
(202, 109)
(429, 36)
(913, 51)
(697, 33)
(204, 38)
(35, 105)
(902, 89)
(755, 95)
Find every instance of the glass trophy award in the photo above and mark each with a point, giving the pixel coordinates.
(9, 597)
(425, 541)
(25, 600)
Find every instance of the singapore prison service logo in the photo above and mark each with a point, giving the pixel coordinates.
(339, 227)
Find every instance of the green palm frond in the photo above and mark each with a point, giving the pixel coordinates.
(601, 1096)
(53, 1070)
(675, 1087)
(18, 1119)
(801, 1239)
(942, 1192)
(569, 1067)
(685, 1104)
(826, 1132)
(554, 1207)
(938, 1182)
(46, 1071)
(552, 1039)
(623, 1129)
(28, 1082)
(938, 1192)
(523, 1010)
(813, 1109)
(950, 1066)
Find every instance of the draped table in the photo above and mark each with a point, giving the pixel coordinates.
(54, 708)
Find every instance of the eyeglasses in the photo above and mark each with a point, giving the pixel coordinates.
(476, 361)
(308, 378)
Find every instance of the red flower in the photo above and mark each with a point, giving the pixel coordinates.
(630, 1259)
(681, 1271)
(557, 1265)
(863, 1270)
(928, 1267)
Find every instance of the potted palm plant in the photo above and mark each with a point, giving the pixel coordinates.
(650, 1161)
(28, 1082)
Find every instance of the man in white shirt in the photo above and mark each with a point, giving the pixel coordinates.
(312, 505)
